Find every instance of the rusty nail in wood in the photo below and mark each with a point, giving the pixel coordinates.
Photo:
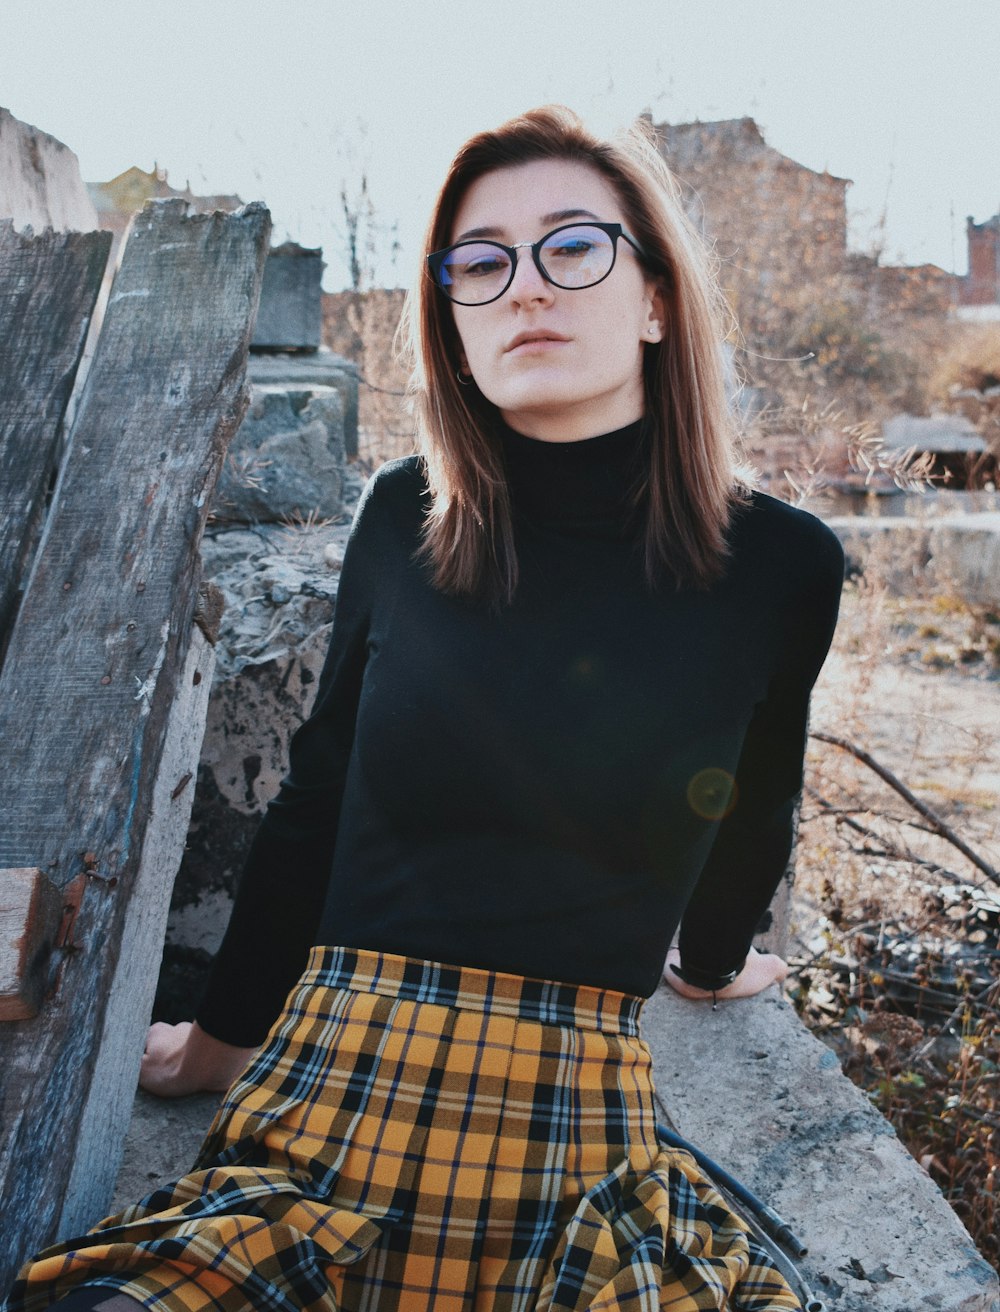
(106, 679)
(197, 678)
(140, 587)
(182, 783)
(66, 587)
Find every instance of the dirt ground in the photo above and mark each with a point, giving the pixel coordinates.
(916, 683)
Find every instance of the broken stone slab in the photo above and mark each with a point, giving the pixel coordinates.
(322, 369)
(287, 459)
(290, 313)
(751, 1087)
(952, 553)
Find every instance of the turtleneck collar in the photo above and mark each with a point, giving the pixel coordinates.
(584, 488)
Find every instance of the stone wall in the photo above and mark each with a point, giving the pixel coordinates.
(775, 225)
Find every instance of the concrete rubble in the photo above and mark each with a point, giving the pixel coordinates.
(302, 371)
(286, 460)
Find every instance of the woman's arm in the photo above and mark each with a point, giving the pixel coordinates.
(281, 894)
(753, 844)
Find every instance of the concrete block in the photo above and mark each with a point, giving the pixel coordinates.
(760, 1095)
(955, 553)
(163, 1141)
(300, 372)
(290, 315)
(287, 458)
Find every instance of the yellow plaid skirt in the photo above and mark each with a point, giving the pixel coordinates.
(426, 1138)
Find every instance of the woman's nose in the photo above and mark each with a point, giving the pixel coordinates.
(528, 286)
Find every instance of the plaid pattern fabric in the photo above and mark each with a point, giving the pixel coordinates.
(425, 1138)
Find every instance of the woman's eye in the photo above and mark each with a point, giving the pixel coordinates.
(486, 265)
(573, 249)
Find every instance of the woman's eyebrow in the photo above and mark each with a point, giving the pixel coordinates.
(557, 216)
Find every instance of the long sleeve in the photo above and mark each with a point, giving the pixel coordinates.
(754, 842)
(284, 882)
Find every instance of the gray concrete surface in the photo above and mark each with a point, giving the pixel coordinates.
(767, 1101)
(756, 1091)
(290, 314)
(957, 554)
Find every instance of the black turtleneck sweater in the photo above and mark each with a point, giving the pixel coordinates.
(546, 789)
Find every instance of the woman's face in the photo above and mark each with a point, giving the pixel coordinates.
(559, 364)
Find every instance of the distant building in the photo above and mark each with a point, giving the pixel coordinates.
(979, 290)
(116, 201)
(776, 225)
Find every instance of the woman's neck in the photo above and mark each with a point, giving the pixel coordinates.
(579, 485)
(566, 423)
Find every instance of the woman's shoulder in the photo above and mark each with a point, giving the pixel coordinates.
(397, 482)
(767, 528)
(395, 495)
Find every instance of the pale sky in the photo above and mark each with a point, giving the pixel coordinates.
(283, 101)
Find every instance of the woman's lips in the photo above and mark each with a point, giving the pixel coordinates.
(532, 343)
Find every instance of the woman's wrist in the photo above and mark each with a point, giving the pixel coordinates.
(208, 1058)
(707, 981)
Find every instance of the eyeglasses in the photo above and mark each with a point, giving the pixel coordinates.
(574, 256)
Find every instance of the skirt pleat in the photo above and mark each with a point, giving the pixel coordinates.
(415, 1137)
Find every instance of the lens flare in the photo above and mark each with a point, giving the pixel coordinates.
(711, 794)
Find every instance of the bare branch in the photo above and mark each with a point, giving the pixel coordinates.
(940, 826)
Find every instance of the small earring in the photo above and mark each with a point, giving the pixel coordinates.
(465, 382)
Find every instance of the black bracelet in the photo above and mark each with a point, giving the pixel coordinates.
(701, 979)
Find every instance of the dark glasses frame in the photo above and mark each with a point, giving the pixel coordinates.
(435, 261)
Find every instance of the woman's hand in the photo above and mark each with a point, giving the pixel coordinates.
(762, 969)
(181, 1059)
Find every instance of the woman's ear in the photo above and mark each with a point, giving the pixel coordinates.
(656, 315)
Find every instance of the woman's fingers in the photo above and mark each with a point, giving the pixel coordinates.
(160, 1069)
(182, 1059)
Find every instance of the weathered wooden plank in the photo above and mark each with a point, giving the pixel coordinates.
(100, 1140)
(48, 286)
(30, 915)
(98, 647)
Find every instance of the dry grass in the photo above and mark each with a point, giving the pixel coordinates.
(896, 953)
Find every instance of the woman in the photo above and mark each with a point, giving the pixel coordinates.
(564, 703)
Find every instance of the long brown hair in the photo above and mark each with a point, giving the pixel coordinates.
(691, 486)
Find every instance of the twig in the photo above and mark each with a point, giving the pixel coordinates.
(898, 854)
(966, 1003)
(960, 1109)
(940, 826)
(374, 387)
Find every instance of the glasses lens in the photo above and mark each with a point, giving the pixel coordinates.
(577, 256)
(474, 272)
